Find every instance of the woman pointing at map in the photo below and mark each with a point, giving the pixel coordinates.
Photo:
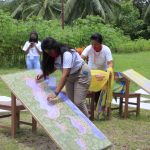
(76, 75)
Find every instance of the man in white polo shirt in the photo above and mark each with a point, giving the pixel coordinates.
(99, 56)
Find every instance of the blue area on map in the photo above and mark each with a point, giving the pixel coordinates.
(65, 99)
(95, 130)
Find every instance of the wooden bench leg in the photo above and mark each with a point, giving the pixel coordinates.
(120, 107)
(13, 117)
(126, 108)
(34, 125)
(138, 105)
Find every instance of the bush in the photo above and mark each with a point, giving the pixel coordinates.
(134, 46)
(14, 33)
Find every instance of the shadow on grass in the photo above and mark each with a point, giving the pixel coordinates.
(26, 140)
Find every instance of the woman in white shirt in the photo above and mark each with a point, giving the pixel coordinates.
(32, 49)
(75, 73)
(99, 56)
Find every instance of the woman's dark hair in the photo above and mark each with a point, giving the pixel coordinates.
(97, 37)
(49, 44)
(33, 40)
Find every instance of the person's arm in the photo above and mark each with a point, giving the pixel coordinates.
(110, 64)
(38, 49)
(67, 65)
(100, 76)
(109, 69)
(109, 58)
(83, 57)
(40, 76)
(27, 51)
(26, 48)
(85, 52)
(63, 79)
(65, 74)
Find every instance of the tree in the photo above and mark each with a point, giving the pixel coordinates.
(147, 15)
(129, 21)
(142, 6)
(47, 9)
(105, 8)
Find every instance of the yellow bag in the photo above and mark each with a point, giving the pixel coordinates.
(96, 85)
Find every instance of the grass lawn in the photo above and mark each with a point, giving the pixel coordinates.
(126, 134)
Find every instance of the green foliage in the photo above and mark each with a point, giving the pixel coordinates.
(107, 9)
(133, 46)
(23, 9)
(144, 9)
(14, 34)
(128, 20)
(147, 14)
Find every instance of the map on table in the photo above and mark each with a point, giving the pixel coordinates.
(138, 79)
(65, 124)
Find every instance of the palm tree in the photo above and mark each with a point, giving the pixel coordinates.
(46, 9)
(144, 9)
(147, 15)
(104, 8)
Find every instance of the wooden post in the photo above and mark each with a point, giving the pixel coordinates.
(62, 13)
(126, 99)
(120, 106)
(13, 117)
(34, 125)
(138, 105)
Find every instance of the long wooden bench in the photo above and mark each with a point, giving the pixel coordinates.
(15, 106)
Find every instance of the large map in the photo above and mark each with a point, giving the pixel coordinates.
(65, 124)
